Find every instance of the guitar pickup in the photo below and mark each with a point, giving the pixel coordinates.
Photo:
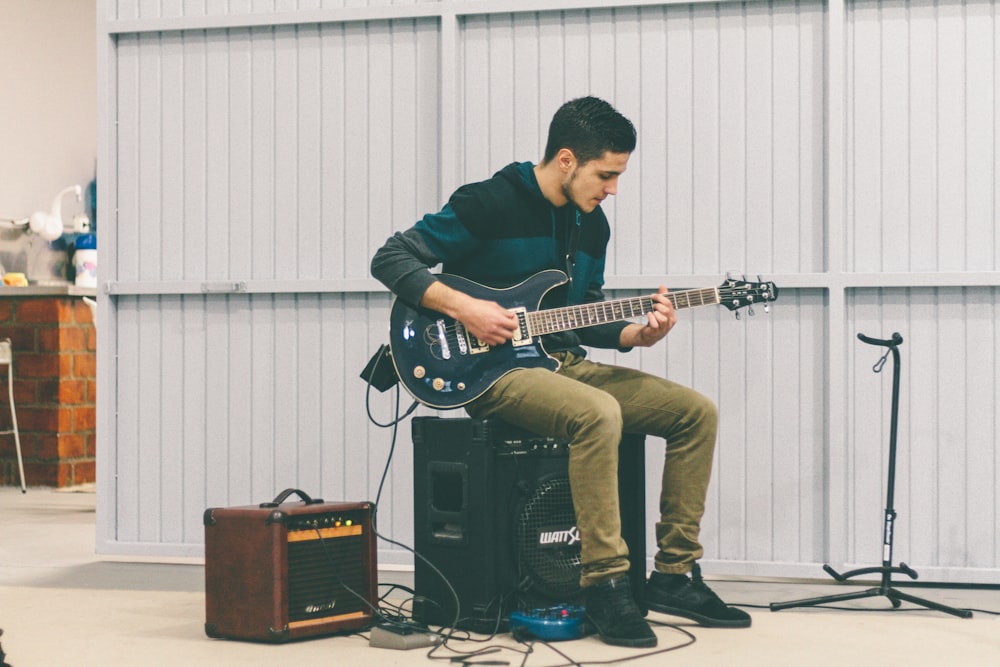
(476, 346)
(520, 338)
(521, 335)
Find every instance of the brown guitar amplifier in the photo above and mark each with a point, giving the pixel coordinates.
(280, 571)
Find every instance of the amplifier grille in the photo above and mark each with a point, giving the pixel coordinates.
(326, 576)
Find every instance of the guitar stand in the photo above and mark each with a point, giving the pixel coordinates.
(885, 588)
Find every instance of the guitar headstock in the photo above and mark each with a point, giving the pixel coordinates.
(735, 294)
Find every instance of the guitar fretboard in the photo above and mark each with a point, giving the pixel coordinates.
(543, 322)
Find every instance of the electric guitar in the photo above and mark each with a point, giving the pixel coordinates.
(443, 365)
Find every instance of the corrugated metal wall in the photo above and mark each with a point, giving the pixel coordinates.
(257, 153)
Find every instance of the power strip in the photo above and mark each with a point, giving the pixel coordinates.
(401, 638)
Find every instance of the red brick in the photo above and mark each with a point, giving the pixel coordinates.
(49, 339)
(92, 391)
(8, 472)
(8, 447)
(40, 311)
(41, 474)
(91, 339)
(62, 446)
(83, 472)
(44, 365)
(90, 440)
(48, 391)
(85, 365)
(84, 419)
(45, 419)
(74, 338)
(6, 309)
(72, 392)
(22, 339)
(81, 313)
(25, 392)
(61, 339)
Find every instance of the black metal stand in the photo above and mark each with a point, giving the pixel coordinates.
(885, 589)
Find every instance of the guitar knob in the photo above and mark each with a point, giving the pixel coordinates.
(461, 386)
(419, 372)
(438, 384)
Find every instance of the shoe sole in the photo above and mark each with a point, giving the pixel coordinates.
(591, 629)
(698, 618)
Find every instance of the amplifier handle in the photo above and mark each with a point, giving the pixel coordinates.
(283, 496)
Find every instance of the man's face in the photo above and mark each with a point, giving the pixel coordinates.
(587, 185)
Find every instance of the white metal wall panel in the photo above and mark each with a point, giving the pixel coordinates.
(727, 100)
(922, 142)
(229, 399)
(282, 153)
(156, 9)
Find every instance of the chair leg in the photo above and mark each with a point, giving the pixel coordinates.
(13, 419)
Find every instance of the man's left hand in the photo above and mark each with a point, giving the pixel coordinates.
(659, 322)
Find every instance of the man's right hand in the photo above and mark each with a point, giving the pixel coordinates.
(486, 320)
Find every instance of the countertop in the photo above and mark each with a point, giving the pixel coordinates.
(67, 289)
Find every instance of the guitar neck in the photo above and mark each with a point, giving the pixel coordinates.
(553, 320)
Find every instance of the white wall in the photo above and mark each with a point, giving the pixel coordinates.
(48, 117)
(263, 150)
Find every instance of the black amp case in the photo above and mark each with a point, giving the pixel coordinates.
(493, 514)
(281, 571)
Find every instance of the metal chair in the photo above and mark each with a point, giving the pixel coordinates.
(7, 359)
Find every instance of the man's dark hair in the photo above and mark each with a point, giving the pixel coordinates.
(589, 127)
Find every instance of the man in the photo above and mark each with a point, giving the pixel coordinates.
(528, 218)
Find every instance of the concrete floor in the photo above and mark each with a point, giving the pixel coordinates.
(60, 604)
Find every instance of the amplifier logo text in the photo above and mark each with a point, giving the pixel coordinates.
(569, 537)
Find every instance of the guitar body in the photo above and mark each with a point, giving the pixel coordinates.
(444, 366)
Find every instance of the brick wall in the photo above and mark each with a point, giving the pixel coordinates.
(54, 344)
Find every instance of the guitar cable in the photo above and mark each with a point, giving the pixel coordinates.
(379, 358)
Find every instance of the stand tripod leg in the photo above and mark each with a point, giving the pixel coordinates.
(810, 602)
(894, 594)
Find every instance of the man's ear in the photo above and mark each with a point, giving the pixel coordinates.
(566, 160)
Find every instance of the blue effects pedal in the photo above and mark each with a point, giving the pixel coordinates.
(557, 623)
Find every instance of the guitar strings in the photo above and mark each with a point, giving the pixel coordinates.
(568, 317)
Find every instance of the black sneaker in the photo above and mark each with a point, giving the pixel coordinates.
(677, 595)
(612, 611)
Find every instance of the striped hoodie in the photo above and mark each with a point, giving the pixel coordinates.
(499, 232)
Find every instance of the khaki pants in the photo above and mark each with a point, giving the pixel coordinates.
(589, 405)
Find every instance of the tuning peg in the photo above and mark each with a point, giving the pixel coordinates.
(751, 311)
(767, 308)
(736, 313)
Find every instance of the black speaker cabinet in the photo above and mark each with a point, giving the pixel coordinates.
(494, 519)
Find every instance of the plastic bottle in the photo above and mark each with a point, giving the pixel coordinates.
(85, 260)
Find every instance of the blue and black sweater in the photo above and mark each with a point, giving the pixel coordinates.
(499, 232)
